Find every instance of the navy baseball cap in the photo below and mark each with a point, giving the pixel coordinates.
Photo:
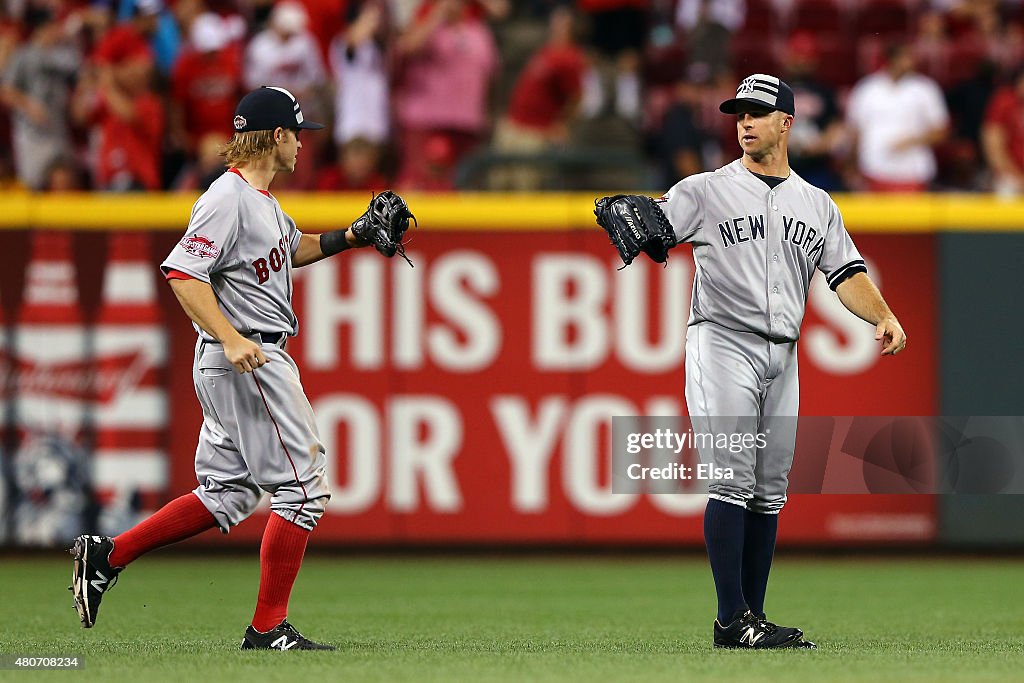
(763, 90)
(268, 108)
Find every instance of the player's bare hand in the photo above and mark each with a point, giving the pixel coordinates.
(891, 335)
(245, 354)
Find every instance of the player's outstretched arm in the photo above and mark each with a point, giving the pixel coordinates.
(199, 302)
(860, 295)
(313, 248)
(383, 224)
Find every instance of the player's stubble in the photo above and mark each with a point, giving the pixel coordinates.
(286, 154)
(759, 131)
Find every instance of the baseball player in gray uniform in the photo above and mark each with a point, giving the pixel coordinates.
(758, 232)
(232, 274)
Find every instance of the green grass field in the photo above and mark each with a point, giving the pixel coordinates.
(523, 619)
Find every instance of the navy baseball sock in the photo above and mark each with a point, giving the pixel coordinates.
(723, 537)
(758, 547)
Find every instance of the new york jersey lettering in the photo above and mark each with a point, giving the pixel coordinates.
(741, 229)
(803, 236)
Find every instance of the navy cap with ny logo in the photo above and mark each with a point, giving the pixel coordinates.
(268, 108)
(767, 91)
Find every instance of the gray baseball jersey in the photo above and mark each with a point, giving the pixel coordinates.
(755, 248)
(240, 242)
(259, 433)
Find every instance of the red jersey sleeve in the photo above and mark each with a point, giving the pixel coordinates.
(177, 275)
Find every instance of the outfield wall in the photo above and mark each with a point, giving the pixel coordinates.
(981, 329)
(466, 400)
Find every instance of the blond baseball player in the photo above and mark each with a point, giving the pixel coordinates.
(232, 274)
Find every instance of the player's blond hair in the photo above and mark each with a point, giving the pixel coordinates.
(250, 146)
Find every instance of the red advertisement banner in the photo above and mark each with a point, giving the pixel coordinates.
(469, 399)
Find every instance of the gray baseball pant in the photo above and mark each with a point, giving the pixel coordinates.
(259, 435)
(742, 383)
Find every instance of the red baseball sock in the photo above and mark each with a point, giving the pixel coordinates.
(182, 518)
(284, 544)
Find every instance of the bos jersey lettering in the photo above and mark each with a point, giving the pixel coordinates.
(240, 242)
(755, 247)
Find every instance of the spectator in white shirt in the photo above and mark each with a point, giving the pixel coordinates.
(896, 116)
(358, 62)
(286, 54)
(729, 14)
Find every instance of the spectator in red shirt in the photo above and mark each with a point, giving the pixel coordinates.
(1002, 137)
(544, 101)
(129, 37)
(205, 84)
(126, 121)
(358, 168)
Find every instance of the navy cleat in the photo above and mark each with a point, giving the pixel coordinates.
(93, 575)
(753, 632)
(802, 643)
(282, 637)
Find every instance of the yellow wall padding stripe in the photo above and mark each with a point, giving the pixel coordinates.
(485, 211)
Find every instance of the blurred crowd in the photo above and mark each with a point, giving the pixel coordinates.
(137, 95)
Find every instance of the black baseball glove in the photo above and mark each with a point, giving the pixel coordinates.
(635, 223)
(384, 224)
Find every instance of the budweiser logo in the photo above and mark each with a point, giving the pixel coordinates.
(79, 379)
(197, 245)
